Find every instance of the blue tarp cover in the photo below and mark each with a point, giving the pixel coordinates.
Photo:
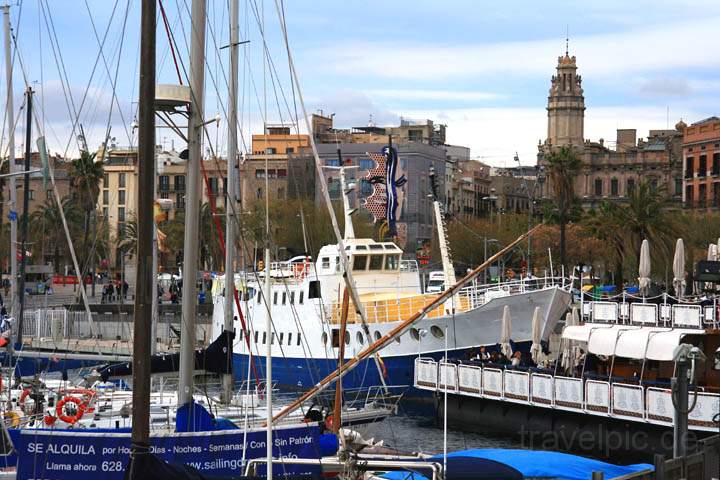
(533, 464)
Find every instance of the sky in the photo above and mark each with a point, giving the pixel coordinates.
(482, 68)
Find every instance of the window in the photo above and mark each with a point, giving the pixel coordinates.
(259, 173)
(689, 161)
(437, 332)
(376, 262)
(122, 180)
(106, 197)
(678, 186)
(121, 214)
(360, 339)
(614, 189)
(702, 169)
(325, 262)
(702, 195)
(106, 180)
(48, 194)
(272, 338)
(289, 150)
(121, 197)
(299, 338)
(332, 162)
(121, 229)
(284, 298)
(359, 262)
(105, 212)
(313, 290)
(335, 338)
(165, 195)
(256, 336)
(164, 183)
(271, 150)
(716, 164)
(179, 183)
(281, 173)
(377, 335)
(282, 334)
(598, 187)
(275, 295)
(630, 185)
(716, 194)
(289, 338)
(367, 164)
(213, 185)
(264, 338)
(392, 262)
(689, 194)
(180, 201)
(302, 294)
(292, 298)
(31, 194)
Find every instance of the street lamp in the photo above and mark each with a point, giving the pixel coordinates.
(490, 198)
(485, 244)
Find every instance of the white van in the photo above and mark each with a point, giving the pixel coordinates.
(436, 282)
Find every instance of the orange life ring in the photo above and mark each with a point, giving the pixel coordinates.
(71, 419)
(87, 396)
(23, 397)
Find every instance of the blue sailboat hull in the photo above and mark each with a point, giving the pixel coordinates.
(91, 454)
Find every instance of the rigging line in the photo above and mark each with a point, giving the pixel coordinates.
(113, 83)
(170, 42)
(60, 63)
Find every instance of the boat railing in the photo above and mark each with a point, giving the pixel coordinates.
(665, 313)
(480, 293)
(642, 402)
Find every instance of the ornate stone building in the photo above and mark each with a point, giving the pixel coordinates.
(608, 172)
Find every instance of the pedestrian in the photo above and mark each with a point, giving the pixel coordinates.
(103, 299)
(111, 291)
(125, 288)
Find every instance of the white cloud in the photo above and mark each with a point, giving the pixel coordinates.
(653, 48)
(450, 95)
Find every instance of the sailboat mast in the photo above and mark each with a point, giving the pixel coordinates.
(192, 206)
(230, 183)
(11, 160)
(144, 283)
(26, 207)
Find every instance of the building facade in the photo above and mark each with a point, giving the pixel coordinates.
(607, 173)
(272, 154)
(470, 190)
(701, 163)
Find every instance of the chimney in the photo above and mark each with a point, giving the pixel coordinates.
(626, 139)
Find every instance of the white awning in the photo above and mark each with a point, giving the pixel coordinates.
(603, 340)
(581, 333)
(661, 345)
(633, 343)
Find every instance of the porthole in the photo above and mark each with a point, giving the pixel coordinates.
(377, 335)
(360, 339)
(347, 338)
(415, 334)
(437, 332)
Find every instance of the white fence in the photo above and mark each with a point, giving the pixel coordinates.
(617, 400)
(684, 315)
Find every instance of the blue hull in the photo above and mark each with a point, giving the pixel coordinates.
(303, 373)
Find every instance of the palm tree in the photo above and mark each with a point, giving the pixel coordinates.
(46, 225)
(645, 216)
(127, 239)
(210, 254)
(606, 224)
(86, 174)
(563, 167)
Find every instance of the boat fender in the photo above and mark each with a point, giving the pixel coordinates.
(71, 419)
(14, 418)
(49, 420)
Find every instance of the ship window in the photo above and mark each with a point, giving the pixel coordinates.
(359, 262)
(264, 338)
(325, 262)
(335, 338)
(284, 298)
(275, 298)
(324, 338)
(299, 338)
(292, 297)
(392, 262)
(302, 294)
(376, 262)
(360, 338)
(347, 338)
(437, 332)
(313, 290)
(272, 338)
(240, 334)
(256, 336)
(376, 247)
(377, 335)
(415, 334)
(282, 334)
(361, 247)
(258, 297)
(289, 338)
